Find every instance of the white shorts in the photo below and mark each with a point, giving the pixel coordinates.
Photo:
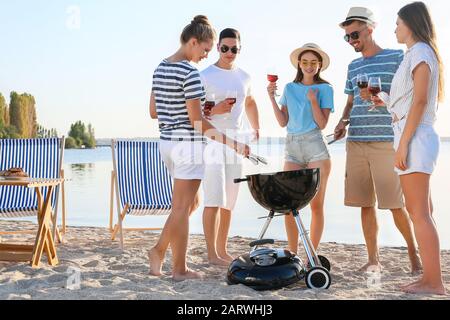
(423, 148)
(183, 159)
(222, 167)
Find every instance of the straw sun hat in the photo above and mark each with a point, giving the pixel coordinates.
(360, 14)
(310, 47)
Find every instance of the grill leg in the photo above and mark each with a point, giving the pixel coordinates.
(265, 227)
(309, 248)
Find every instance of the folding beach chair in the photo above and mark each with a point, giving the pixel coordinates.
(39, 158)
(140, 182)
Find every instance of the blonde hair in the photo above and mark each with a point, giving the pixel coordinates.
(200, 28)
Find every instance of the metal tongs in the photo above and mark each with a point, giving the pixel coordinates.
(332, 141)
(255, 159)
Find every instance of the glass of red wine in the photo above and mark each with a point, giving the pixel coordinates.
(209, 104)
(231, 97)
(362, 80)
(273, 78)
(374, 89)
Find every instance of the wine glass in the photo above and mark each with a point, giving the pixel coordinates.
(231, 97)
(374, 86)
(272, 76)
(209, 104)
(362, 80)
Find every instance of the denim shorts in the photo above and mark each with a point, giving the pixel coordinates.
(306, 148)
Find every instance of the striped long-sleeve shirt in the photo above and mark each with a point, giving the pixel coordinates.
(368, 126)
(174, 84)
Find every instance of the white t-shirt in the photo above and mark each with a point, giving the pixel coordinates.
(219, 81)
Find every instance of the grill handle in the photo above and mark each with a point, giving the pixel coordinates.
(261, 242)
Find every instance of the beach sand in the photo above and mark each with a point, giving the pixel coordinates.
(107, 273)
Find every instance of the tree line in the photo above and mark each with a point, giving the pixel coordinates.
(19, 120)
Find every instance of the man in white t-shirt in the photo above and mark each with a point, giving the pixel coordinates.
(224, 82)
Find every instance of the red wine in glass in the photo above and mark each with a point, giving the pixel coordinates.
(272, 78)
(208, 106)
(374, 90)
(362, 81)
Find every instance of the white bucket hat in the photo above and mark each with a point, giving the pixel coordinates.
(360, 14)
(310, 47)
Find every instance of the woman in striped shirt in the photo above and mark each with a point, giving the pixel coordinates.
(176, 99)
(416, 89)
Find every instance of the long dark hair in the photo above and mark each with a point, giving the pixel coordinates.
(418, 19)
(317, 78)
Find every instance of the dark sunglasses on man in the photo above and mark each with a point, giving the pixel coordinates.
(353, 35)
(224, 49)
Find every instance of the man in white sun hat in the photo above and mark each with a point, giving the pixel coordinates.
(370, 174)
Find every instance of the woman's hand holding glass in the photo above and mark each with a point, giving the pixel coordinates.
(377, 101)
(271, 89)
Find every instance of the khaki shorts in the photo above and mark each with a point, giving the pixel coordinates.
(370, 176)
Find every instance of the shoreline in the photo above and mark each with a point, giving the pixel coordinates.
(106, 273)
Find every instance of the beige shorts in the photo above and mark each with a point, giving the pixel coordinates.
(370, 176)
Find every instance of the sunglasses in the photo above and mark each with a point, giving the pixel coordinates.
(224, 49)
(353, 35)
(305, 63)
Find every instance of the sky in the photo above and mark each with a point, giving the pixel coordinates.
(93, 60)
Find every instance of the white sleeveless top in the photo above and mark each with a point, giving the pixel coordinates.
(402, 89)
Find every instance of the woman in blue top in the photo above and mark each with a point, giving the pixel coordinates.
(306, 104)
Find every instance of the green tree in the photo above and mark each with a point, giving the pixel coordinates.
(70, 143)
(91, 137)
(3, 111)
(82, 137)
(9, 132)
(42, 132)
(22, 113)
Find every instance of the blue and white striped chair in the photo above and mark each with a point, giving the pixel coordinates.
(140, 181)
(39, 158)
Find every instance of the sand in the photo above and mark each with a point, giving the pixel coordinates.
(105, 272)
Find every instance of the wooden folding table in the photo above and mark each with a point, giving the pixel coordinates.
(44, 239)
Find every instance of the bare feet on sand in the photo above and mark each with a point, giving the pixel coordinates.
(371, 267)
(188, 274)
(403, 286)
(416, 264)
(218, 261)
(155, 262)
(225, 256)
(420, 287)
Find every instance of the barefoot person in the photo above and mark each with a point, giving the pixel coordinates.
(176, 99)
(416, 89)
(306, 105)
(222, 166)
(370, 175)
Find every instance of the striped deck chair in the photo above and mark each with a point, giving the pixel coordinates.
(39, 158)
(140, 183)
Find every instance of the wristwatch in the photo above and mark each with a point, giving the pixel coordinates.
(345, 121)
